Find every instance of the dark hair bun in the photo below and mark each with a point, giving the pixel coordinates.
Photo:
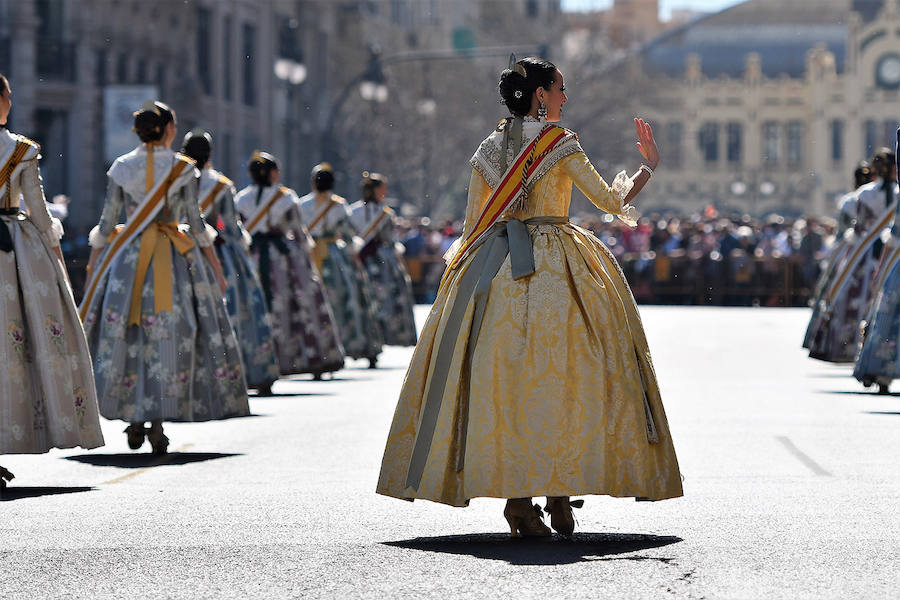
(516, 90)
(197, 145)
(261, 165)
(151, 120)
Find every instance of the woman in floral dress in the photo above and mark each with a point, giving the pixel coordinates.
(244, 296)
(532, 375)
(155, 318)
(380, 255)
(328, 218)
(306, 337)
(47, 395)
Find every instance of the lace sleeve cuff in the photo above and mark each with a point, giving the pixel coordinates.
(55, 233)
(96, 239)
(207, 236)
(621, 187)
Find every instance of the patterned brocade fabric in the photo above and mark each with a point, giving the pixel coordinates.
(560, 386)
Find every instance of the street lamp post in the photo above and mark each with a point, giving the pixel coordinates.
(292, 73)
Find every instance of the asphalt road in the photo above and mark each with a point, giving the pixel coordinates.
(791, 478)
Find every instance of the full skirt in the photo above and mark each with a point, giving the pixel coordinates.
(879, 360)
(47, 394)
(183, 365)
(352, 302)
(306, 336)
(830, 272)
(247, 311)
(392, 289)
(559, 387)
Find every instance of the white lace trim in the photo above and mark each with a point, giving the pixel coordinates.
(55, 233)
(207, 237)
(95, 240)
(621, 187)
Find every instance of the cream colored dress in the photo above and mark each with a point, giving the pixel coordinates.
(560, 391)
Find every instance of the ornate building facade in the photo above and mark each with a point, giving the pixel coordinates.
(768, 106)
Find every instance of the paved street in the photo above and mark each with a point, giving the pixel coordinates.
(791, 478)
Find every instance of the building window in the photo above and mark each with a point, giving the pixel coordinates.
(52, 133)
(227, 155)
(204, 34)
(122, 68)
(674, 135)
(837, 140)
(795, 131)
(249, 67)
(770, 143)
(101, 67)
(871, 140)
(734, 134)
(709, 142)
(141, 71)
(531, 8)
(889, 135)
(161, 79)
(227, 79)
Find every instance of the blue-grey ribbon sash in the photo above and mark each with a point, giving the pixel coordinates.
(504, 238)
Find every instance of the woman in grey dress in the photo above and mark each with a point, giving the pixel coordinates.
(153, 311)
(47, 397)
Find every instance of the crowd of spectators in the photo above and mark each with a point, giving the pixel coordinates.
(703, 258)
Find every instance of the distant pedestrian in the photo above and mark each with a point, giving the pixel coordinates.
(47, 394)
(532, 375)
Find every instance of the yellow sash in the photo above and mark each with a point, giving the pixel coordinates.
(139, 223)
(213, 194)
(375, 225)
(509, 187)
(156, 241)
(254, 222)
(856, 254)
(15, 158)
(318, 218)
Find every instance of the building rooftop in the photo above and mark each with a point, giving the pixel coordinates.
(780, 31)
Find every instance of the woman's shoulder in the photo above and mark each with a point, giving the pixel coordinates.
(31, 148)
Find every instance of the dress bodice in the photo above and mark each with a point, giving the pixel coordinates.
(24, 186)
(283, 216)
(335, 222)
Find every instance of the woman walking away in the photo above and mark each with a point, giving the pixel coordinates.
(244, 295)
(153, 310)
(47, 395)
(532, 376)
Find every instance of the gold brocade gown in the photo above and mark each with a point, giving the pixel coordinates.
(557, 378)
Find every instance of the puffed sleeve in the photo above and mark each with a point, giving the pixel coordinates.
(203, 233)
(294, 222)
(109, 218)
(33, 192)
(479, 194)
(605, 197)
(345, 227)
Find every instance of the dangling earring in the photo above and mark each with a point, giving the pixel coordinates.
(542, 112)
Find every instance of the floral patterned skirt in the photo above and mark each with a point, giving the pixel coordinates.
(830, 271)
(879, 360)
(836, 336)
(306, 336)
(247, 311)
(47, 395)
(183, 365)
(555, 397)
(352, 302)
(393, 296)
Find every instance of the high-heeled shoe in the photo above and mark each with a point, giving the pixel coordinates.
(4, 477)
(560, 510)
(158, 440)
(135, 433)
(524, 519)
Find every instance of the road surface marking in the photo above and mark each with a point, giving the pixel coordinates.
(160, 461)
(806, 460)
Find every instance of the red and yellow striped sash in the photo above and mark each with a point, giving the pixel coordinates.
(510, 186)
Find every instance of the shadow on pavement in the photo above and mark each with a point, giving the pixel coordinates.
(882, 412)
(580, 547)
(145, 459)
(859, 393)
(286, 395)
(17, 493)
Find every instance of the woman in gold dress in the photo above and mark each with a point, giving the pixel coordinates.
(532, 376)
